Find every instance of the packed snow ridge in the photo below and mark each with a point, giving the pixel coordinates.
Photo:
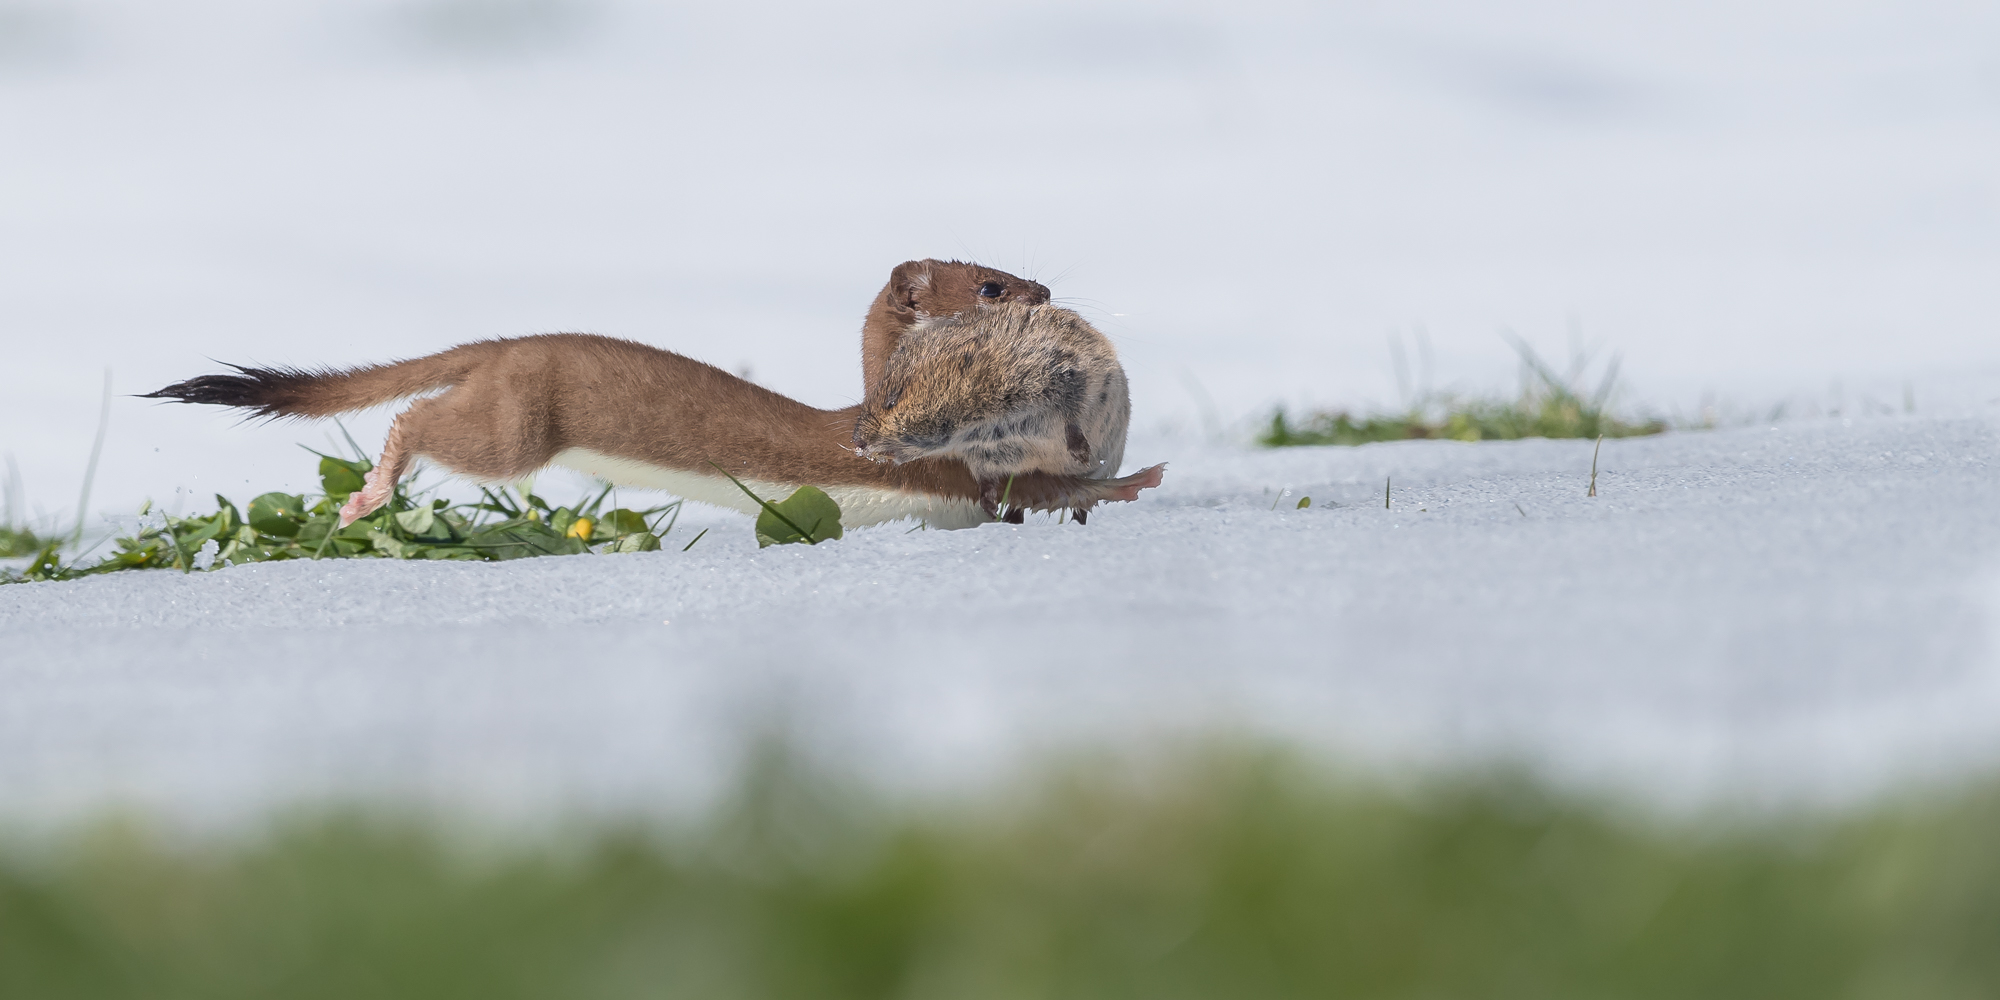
(1801, 611)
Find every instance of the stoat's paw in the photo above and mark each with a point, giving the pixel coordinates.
(374, 492)
(353, 510)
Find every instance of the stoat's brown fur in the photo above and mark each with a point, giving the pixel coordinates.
(636, 415)
(1008, 389)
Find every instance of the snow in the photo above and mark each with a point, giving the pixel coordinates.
(1797, 612)
(1769, 200)
(1754, 202)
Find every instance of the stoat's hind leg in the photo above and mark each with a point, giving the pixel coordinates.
(380, 482)
(470, 444)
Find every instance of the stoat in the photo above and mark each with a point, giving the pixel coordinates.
(1014, 388)
(640, 416)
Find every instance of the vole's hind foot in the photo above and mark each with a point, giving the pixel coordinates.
(1104, 491)
(1016, 515)
(1128, 488)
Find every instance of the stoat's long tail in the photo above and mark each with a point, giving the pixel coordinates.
(294, 392)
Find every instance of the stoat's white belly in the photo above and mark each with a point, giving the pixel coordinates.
(859, 505)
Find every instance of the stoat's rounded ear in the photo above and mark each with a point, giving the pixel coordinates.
(909, 280)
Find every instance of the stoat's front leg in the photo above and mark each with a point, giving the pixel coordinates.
(992, 492)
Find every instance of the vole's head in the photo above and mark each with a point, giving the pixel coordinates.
(933, 289)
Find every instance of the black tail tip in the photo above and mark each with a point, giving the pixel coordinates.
(216, 390)
(267, 393)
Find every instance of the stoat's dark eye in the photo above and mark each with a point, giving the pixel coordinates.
(991, 290)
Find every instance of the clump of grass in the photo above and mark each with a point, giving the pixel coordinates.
(279, 526)
(1550, 405)
(1229, 875)
(21, 541)
(16, 537)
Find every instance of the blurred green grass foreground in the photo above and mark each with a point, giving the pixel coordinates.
(1228, 875)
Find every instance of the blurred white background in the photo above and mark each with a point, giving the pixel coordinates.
(1759, 201)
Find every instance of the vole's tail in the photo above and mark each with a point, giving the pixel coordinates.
(295, 392)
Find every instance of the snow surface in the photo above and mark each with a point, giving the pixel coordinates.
(1804, 611)
(1770, 199)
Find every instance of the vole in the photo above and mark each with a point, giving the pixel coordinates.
(1013, 388)
(640, 416)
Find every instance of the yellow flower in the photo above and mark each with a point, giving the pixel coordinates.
(581, 528)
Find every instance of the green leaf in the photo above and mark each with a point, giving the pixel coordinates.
(808, 516)
(638, 541)
(314, 531)
(206, 528)
(560, 520)
(386, 544)
(521, 537)
(349, 548)
(339, 477)
(417, 521)
(619, 523)
(361, 528)
(227, 513)
(1305, 502)
(279, 514)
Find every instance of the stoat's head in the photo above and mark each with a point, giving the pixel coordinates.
(936, 289)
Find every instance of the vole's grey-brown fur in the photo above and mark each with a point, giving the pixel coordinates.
(1008, 389)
